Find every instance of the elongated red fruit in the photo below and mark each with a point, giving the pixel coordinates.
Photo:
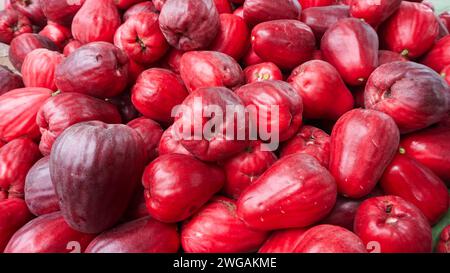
(38, 68)
(373, 12)
(283, 241)
(258, 11)
(320, 19)
(13, 215)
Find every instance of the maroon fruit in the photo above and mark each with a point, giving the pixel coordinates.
(258, 11)
(262, 72)
(71, 47)
(38, 68)
(169, 143)
(151, 133)
(59, 34)
(125, 107)
(9, 80)
(283, 241)
(13, 215)
(386, 56)
(61, 11)
(320, 19)
(373, 12)
(31, 9)
(12, 24)
(343, 213)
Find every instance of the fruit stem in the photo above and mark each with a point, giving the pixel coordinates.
(405, 53)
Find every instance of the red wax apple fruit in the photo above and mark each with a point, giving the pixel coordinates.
(145, 235)
(229, 235)
(176, 186)
(40, 194)
(262, 72)
(264, 96)
(24, 44)
(71, 47)
(48, 234)
(125, 4)
(286, 43)
(126, 108)
(316, 3)
(141, 38)
(320, 19)
(409, 179)
(189, 24)
(283, 241)
(172, 60)
(233, 36)
(295, 192)
(142, 7)
(95, 168)
(9, 80)
(412, 94)
(343, 213)
(31, 9)
(38, 68)
(324, 93)
(445, 73)
(18, 110)
(411, 30)
(443, 246)
(394, 224)
(246, 167)
(309, 140)
(13, 215)
(373, 12)
(223, 6)
(439, 55)
(151, 133)
(363, 143)
(209, 68)
(66, 109)
(239, 12)
(137, 208)
(12, 24)
(207, 136)
(97, 20)
(258, 11)
(61, 11)
(251, 58)
(59, 34)
(169, 143)
(159, 4)
(98, 69)
(351, 46)
(156, 92)
(387, 56)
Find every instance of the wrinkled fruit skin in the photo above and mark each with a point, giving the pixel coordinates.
(412, 94)
(258, 11)
(286, 43)
(443, 246)
(97, 69)
(395, 224)
(189, 24)
(262, 72)
(38, 68)
(143, 7)
(13, 215)
(95, 168)
(31, 9)
(48, 234)
(9, 80)
(169, 143)
(386, 56)
(18, 110)
(40, 194)
(176, 186)
(340, 44)
(61, 11)
(245, 168)
(12, 24)
(356, 163)
(64, 110)
(324, 93)
(439, 55)
(210, 69)
(145, 235)
(283, 241)
(151, 133)
(374, 13)
(295, 192)
(229, 235)
(320, 19)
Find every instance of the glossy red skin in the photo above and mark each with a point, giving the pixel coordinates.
(18, 110)
(386, 56)
(142, 7)
(412, 94)
(151, 133)
(134, 71)
(176, 186)
(439, 55)
(9, 80)
(126, 108)
(47, 234)
(200, 69)
(13, 215)
(141, 38)
(125, 4)
(97, 69)
(96, 21)
(38, 68)
(24, 44)
(431, 148)
(145, 235)
(266, 94)
(251, 58)
(309, 140)
(64, 110)
(233, 36)
(223, 6)
(330, 239)
(411, 30)
(295, 192)
(136, 208)
(397, 225)
(31, 9)
(170, 145)
(40, 194)
(189, 24)
(343, 213)
(446, 74)
(61, 11)
(156, 92)
(283, 241)
(319, 19)
(443, 246)
(229, 235)
(324, 93)
(351, 46)
(286, 43)
(59, 34)
(373, 12)
(16, 158)
(239, 12)
(262, 72)
(245, 168)
(316, 3)
(71, 47)
(12, 24)
(445, 18)
(258, 11)
(95, 169)
(409, 179)
(363, 143)
(172, 60)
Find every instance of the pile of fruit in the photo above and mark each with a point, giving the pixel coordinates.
(115, 126)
